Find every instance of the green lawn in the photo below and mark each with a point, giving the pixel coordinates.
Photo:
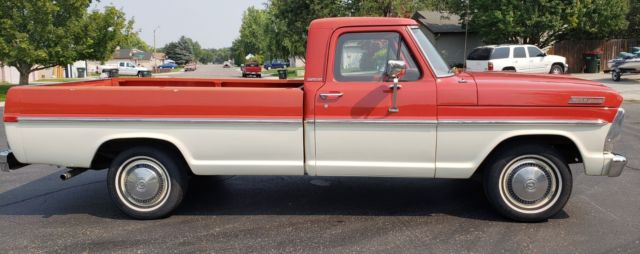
(4, 87)
(291, 72)
(59, 80)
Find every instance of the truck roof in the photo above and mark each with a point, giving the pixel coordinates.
(334, 23)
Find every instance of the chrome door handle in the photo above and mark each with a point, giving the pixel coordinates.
(391, 86)
(462, 81)
(324, 96)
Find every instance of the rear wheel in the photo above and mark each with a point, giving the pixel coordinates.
(147, 183)
(528, 182)
(140, 74)
(616, 75)
(556, 69)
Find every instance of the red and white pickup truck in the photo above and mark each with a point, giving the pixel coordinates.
(377, 100)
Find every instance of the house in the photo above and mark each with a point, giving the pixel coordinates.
(11, 75)
(447, 35)
(139, 57)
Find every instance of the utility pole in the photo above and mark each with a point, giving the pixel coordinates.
(154, 45)
(466, 36)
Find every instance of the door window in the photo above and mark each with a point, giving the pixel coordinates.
(121, 64)
(519, 52)
(534, 52)
(364, 57)
(500, 53)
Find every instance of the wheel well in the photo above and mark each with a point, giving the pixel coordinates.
(110, 149)
(565, 146)
(509, 68)
(561, 65)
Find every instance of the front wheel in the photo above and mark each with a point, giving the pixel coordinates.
(146, 182)
(556, 69)
(528, 183)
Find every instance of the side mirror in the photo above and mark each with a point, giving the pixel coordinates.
(396, 68)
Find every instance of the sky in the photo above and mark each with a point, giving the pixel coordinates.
(213, 23)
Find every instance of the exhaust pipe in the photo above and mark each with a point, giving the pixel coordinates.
(72, 173)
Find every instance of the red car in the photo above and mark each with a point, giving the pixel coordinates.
(252, 69)
(191, 67)
(377, 100)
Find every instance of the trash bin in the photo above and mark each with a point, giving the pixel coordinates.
(81, 72)
(592, 61)
(112, 73)
(282, 74)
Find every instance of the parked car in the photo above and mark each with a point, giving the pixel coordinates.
(125, 68)
(252, 69)
(515, 58)
(169, 65)
(360, 111)
(276, 64)
(226, 64)
(191, 66)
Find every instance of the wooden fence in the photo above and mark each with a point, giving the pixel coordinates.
(574, 50)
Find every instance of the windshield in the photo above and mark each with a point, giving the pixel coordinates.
(438, 64)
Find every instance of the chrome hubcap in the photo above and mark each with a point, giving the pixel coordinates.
(143, 183)
(530, 183)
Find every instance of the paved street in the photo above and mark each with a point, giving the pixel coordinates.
(40, 213)
(207, 71)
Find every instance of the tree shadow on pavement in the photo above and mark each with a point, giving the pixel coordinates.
(248, 195)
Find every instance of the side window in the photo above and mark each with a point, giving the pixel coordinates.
(519, 52)
(500, 53)
(534, 52)
(121, 64)
(364, 57)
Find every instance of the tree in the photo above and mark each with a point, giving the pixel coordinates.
(102, 33)
(131, 38)
(206, 56)
(389, 8)
(543, 22)
(252, 34)
(634, 20)
(38, 34)
(181, 51)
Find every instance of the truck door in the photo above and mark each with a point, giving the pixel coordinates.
(356, 133)
(520, 59)
(536, 60)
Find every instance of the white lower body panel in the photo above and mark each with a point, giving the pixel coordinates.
(242, 148)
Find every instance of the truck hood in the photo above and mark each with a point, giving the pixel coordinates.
(516, 89)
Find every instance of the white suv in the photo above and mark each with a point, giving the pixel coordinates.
(518, 58)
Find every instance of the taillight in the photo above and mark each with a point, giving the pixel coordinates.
(10, 119)
(490, 66)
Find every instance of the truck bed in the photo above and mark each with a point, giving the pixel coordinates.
(217, 124)
(152, 97)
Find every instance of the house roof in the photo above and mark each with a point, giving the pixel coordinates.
(333, 23)
(439, 22)
(131, 54)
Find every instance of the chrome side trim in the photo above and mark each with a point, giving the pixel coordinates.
(157, 120)
(300, 121)
(586, 100)
(523, 122)
(373, 121)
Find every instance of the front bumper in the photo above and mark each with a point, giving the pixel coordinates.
(8, 161)
(614, 164)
